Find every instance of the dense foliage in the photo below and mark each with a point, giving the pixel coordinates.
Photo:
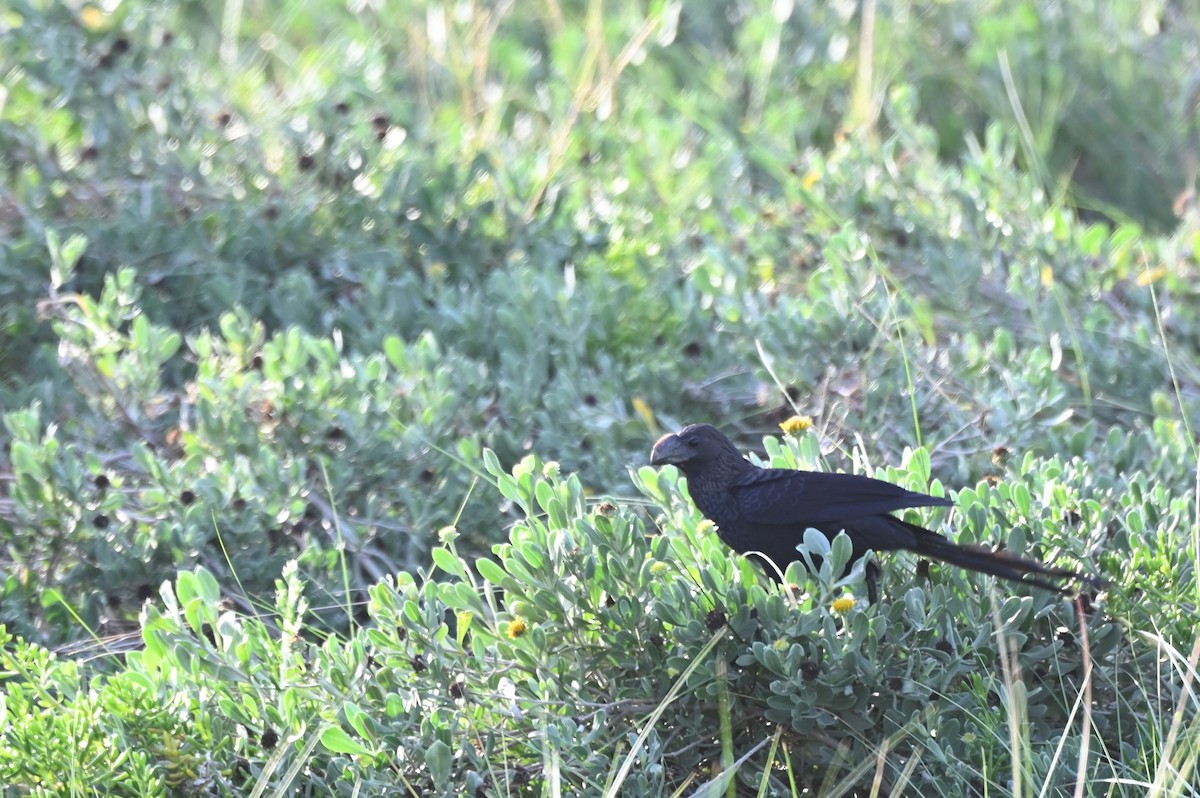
(333, 342)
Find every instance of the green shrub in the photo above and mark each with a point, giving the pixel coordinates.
(415, 280)
(594, 648)
(272, 282)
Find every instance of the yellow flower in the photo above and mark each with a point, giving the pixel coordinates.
(94, 19)
(796, 424)
(1152, 276)
(844, 604)
(516, 627)
(705, 526)
(658, 566)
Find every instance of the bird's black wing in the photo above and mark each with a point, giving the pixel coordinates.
(784, 496)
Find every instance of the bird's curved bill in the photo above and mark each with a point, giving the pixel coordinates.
(666, 450)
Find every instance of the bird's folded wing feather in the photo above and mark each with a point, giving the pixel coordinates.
(784, 496)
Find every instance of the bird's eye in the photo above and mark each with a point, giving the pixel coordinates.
(692, 442)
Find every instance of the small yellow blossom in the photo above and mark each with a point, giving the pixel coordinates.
(94, 19)
(658, 566)
(797, 424)
(447, 535)
(1152, 276)
(1047, 277)
(550, 469)
(705, 526)
(516, 627)
(844, 604)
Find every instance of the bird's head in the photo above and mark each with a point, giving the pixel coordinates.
(693, 446)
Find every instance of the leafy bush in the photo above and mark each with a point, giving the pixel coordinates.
(597, 652)
(272, 285)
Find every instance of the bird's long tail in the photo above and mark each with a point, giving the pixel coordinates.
(997, 563)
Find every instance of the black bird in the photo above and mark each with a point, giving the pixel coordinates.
(767, 510)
